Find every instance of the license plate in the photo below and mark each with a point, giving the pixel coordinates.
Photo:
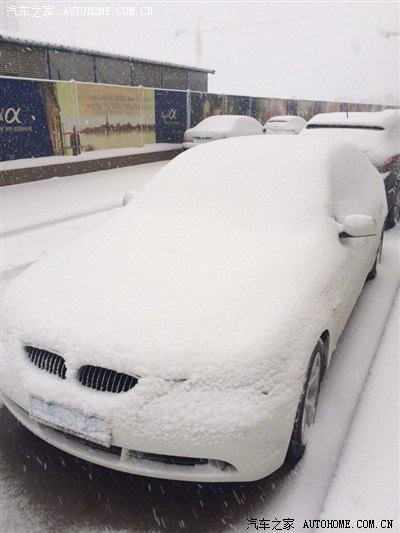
(70, 420)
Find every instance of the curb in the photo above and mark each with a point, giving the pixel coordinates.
(25, 175)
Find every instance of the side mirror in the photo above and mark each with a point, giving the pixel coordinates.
(359, 226)
(128, 197)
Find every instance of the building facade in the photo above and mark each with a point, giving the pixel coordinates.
(22, 58)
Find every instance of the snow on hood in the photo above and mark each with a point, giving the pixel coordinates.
(171, 297)
(202, 275)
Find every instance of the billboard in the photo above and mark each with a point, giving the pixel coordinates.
(203, 105)
(237, 105)
(23, 121)
(62, 114)
(264, 108)
(109, 116)
(171, 116)
(305, 109)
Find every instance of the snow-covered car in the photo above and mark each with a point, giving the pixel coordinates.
(377, 134)
(285, 124)
(221, 127)
(186, 337)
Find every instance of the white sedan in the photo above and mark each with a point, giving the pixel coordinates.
(221, 127)
(285, 124)
(187, 336)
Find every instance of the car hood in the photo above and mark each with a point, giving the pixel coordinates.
(178, 297)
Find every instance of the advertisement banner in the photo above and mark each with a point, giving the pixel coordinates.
(237, 105)
(348, 107)
(332, 107)
(319, 107)
(44, 118)
(109, 116)
(171, 116)
(61, 109)
(203, 105)
(263, 109)
(292, 107)
(149, 116)
(305, 109)
(23, 121)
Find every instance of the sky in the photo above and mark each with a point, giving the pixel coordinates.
(339, 51)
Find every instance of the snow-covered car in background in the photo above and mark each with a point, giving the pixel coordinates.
(221, 127)
(289, 124)
(377, 134)
(186, 337)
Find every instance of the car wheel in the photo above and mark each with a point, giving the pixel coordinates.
(394, 213)
(373, 272)
(307, 407)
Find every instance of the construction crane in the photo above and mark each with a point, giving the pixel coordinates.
(387, 33)
(199, 31)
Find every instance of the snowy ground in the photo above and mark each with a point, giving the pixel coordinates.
(350, 470)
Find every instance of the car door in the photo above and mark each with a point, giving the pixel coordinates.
(357, 189)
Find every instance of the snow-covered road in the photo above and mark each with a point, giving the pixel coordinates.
(351, 467)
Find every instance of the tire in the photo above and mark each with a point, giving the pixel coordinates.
(373, 271)
(394, 213)
(307, 407)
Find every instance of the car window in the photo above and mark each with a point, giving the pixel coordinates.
(353, 181)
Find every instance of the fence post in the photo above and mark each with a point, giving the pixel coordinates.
(141, 112)
(188, 108)
(95, 69)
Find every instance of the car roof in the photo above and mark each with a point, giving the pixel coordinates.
(377, 134)
(226, 119)
(225, 123)
(369, 120)
(256, 181)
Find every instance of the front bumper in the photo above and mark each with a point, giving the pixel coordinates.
(184, 450)
(253, 461)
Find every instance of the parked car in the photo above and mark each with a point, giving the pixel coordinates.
(377, 134)
(186, 337)
(221, 127)
(289, 124)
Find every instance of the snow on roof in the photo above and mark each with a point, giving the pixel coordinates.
(218, 123)
(377, 134)
(383, 119)
(258, 181)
